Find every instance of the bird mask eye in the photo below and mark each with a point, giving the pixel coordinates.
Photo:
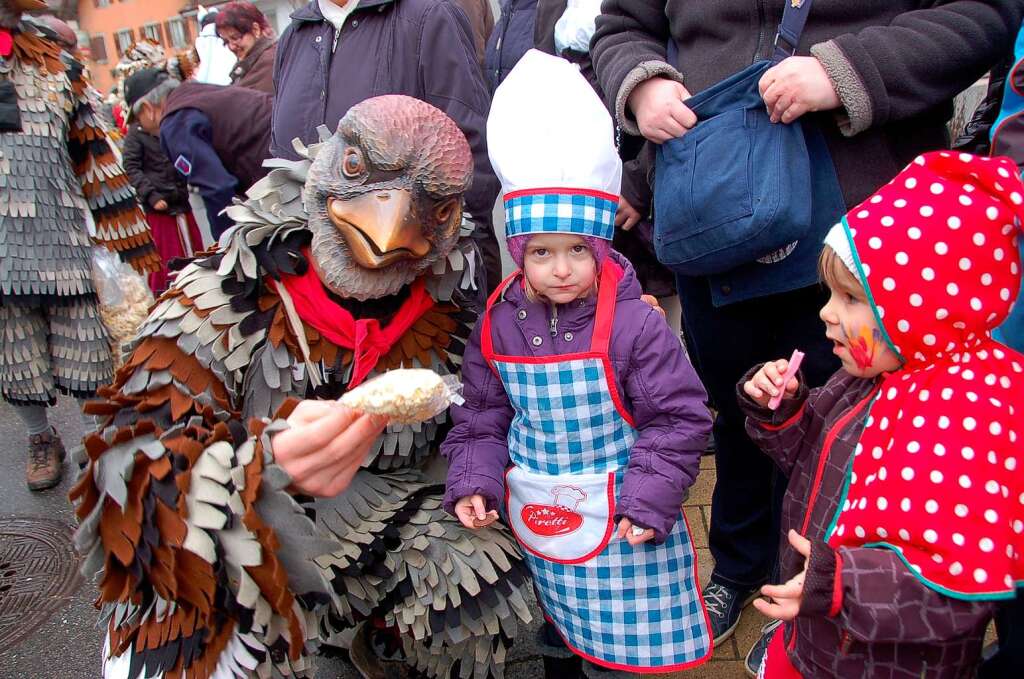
(443, 211)
(352, 163)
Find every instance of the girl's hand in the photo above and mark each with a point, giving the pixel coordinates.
(767, 382)
(633, 537)
(472, 513)
(657, 104)
(325, 446)
(795, 86)
(787, 597)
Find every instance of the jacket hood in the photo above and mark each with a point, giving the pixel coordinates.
(935, 250)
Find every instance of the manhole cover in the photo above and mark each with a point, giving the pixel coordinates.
(38, 573)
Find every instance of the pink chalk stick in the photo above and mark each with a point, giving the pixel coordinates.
(794, 365)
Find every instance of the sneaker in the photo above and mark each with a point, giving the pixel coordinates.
(45, 461)
(724, 605)
(755, 656)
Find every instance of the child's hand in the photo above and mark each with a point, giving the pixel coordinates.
(767, 381)
(632, 534)
(787, 597)
(471, 512)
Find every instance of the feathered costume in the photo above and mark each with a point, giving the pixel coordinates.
(61, 189)
(210, 567)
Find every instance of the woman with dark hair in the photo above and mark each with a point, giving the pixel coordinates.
(247, 33)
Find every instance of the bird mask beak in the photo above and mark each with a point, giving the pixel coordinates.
(29, 5)
(380, 227)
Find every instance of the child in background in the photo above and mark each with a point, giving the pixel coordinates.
(904, 508)
(584, 393)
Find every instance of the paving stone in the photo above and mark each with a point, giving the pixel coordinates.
(700, 491)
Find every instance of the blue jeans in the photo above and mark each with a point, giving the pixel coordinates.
(724, 343)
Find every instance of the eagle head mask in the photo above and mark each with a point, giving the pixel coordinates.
(384, 196)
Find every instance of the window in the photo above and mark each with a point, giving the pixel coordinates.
(123, 40)
(98, 49)
(177, 34)
(152, 31)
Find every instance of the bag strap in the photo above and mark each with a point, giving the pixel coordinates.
(794, 18)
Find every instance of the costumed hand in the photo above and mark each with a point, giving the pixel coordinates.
(160, 205)
(634, 535)
(472, 512)
(626, 216)
(796, 86)
(325, 446)
(657, 104)
(787, 596)
(767, 382)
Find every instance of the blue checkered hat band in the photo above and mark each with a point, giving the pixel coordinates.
(584, 214)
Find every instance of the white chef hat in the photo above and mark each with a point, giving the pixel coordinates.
(552, 145)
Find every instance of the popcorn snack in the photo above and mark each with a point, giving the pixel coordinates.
(406, 396)
(124, 299)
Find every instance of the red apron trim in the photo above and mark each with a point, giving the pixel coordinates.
(366, 338)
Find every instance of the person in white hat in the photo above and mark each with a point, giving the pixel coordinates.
(583, 392)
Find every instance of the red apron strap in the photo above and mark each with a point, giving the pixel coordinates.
(486, 343)
(607, 293)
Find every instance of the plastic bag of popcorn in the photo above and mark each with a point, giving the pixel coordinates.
(406, 396)
(124, 298)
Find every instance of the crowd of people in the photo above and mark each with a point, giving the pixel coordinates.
(846, 266)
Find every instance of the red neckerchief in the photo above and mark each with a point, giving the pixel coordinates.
(6, 43)
(366, 338)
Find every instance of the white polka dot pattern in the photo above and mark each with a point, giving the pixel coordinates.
(938, 257)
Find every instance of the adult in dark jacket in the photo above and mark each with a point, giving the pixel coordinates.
(163, 193)
(481, 19)
(881, 78)
(511, 38)
(247, 33)
(216, 137)
(420, 48)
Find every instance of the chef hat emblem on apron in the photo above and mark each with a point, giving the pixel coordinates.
(552, 145)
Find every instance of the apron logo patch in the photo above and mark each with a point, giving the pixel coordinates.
(559, 518)
(183, 165)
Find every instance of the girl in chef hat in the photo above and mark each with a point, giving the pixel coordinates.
(905, 504)
(584, 421)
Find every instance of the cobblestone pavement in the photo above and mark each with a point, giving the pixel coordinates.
(68, 644)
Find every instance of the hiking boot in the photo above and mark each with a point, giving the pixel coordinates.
(757, 652)
(45, 461)
(724, 605)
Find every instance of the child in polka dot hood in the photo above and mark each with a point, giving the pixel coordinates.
(905, 505)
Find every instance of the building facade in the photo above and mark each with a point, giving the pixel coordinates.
(107, 27)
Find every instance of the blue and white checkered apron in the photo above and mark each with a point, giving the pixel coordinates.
(630, 608)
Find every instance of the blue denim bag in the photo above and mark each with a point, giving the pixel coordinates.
(737, 188)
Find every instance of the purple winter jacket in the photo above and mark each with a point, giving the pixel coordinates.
(660, 388)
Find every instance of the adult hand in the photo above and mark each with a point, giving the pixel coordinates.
(767, 382)
(795, 86)
(787, 597)
(652, 301)
(160, 205)
(657, 104)
(626, 216)
(325, 446)
(633, 537)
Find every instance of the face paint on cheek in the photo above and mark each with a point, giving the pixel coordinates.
(863, 345)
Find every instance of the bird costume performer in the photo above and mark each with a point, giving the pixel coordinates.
(61, 190)
(349, 262)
